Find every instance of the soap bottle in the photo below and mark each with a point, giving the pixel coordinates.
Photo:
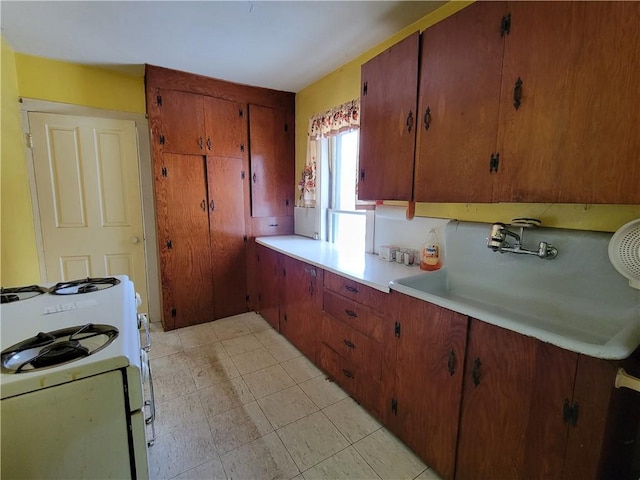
(430, 255)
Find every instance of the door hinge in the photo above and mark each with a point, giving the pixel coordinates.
(159, 100)
(364, 89)
(394, 406)
(286, 127)
(169, 244)
(285, 317)
(505, 25)
(246, 297)
(244, 237)
(28, 140)
(494, 162)
(362, 175)
(174, 312)
(164, 171)
(570, 413)
(397, 329)
(242, 175)
(161, 139)
(241, 113)
(286, 202)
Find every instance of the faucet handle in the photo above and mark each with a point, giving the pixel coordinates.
(497, 236)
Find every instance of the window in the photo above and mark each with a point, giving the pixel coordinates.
(346, 224)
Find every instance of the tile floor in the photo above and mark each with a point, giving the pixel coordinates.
(235, 400)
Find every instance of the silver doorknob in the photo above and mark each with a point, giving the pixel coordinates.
(135, 239)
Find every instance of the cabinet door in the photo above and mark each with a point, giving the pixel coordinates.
(430, 361)
(574, 137)
(460, 74)
(185, 254)
(389, 87)
(182, 122)
(301, 309)
(225, 128)
(514, 390)
(227, 230)
(272, 162)
(269, 279)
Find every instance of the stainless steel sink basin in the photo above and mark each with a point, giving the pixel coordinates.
(566, 303)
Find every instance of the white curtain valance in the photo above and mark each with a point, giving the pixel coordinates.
(335, 120)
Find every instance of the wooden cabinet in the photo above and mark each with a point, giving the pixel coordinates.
(269, 281)
(430, 345)
(272, 161)
(353, 348)
(389, 84)
(201, 125)
(532, 410)
(301, 311)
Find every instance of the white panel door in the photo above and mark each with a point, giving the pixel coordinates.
(88, 190)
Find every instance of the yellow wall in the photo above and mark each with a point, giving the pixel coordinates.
(43, 79)
(343, 85)
(17, 236)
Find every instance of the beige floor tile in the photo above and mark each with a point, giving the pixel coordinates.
(164, 343)
(286, 406)
(224, 396)
(170, 364)
(351, 419)
(264, 458)
(178, 412)
(301, 369)
(212, 470)
(238, 426)
(428, 475)
(389, 457)
(230, 327)
(180, 450)
(269, 337)
(213, 373)
(282, 350)
(323, 391)
(268, 380)
(254, 360)
(242, 344)
(168, 387)
(206, 355)
(311, 440)
(345, 464)
(255, 322)
(197, 336)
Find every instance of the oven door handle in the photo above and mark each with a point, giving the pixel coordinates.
(151, 402)
(143, 321)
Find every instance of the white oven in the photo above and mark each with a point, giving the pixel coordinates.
(73, 400)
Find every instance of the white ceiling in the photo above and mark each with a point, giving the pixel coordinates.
(281, 45)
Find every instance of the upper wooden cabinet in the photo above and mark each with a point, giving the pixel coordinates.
(272, 159)
(201, 125)
(518, 102)
(389, 85)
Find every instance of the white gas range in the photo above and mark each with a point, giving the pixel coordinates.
(72, 381)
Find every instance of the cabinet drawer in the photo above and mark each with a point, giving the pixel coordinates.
(356, 291)
(354, 314)
(339, 369)
(265, 226)
(364, 353)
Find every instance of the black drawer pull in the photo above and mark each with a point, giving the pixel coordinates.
(351, 313)
(348, 343)
(351, 289)
(347, 373)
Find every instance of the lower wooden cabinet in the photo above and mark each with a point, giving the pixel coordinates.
(268, 286)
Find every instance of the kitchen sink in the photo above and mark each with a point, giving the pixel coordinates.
(566, 303)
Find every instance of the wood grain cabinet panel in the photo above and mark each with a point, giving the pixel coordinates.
(181, 122)
(389, 85)
(269, 281)
(225, 124)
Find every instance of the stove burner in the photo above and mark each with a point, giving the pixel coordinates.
(86, 285)
(55, 348)
(15, 294)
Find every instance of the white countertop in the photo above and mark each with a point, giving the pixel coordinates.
(365, 268)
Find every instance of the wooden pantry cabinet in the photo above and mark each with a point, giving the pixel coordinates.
(201, 139)
(522, 102)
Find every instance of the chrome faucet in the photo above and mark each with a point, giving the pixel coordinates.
(497, 241)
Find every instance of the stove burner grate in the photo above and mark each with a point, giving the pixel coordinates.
(85, 285)
(15, 294)
(55, 348)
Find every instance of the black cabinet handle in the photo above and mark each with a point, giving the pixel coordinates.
(203, 205)
(362, 175)
(410, 122)
(201, 143)
(255, 178)
(451, 364)
(475, 373)
(351, 289)
(348, 343)
(347, 373)
(212, 205)
(517, 93)
(427, 118)
(351, 313)
(209, 143)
